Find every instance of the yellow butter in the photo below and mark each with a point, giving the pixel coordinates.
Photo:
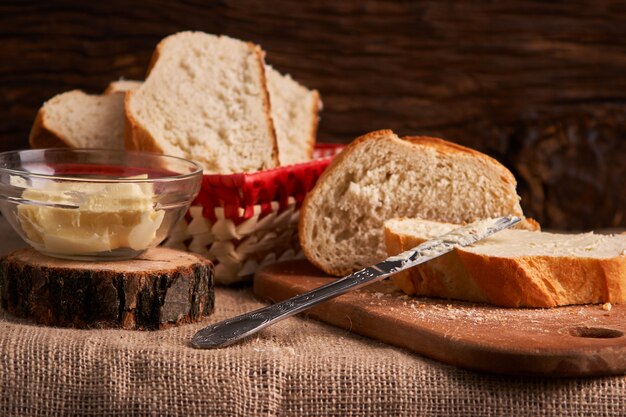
(109, 216)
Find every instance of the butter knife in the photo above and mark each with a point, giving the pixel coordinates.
(231, 330)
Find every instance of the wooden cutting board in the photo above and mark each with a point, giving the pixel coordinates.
(565, 341)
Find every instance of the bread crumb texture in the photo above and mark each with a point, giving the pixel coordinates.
(81, 120)
(380, 176)
(205, 99)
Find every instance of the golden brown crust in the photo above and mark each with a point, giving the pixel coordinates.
(528, 223)
(430, 279)
(446, 147)
(548, 281)
(403, 280)
(155, 56)
(266, 102)
(110, 89)
(302, 224)
(139, 138)
(136, 137)
(438, 144)
(525, 281)
(443, 145)
(43, 136)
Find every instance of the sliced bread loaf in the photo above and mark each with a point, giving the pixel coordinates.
(295, 111)
(79, 120)
(205, 98)
(380, 176)
(514, 268)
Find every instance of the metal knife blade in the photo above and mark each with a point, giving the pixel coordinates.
(231, 330)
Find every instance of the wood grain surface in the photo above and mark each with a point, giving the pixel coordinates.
(539, 85)
(161, 288)
(558, 342)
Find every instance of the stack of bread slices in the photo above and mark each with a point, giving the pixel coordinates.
(211, 99)
(384, 195)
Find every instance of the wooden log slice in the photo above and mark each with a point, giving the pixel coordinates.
(162, 288)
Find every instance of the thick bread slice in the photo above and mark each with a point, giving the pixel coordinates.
(78, 120)
(295, 111)
(514, 268)
(122, 86)
(380, 176)
(205, 99)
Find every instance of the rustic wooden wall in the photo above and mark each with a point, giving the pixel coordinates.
(539, 85)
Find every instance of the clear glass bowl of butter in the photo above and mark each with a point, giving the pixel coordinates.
(93, 205)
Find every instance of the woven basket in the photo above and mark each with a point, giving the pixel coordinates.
(244, 221)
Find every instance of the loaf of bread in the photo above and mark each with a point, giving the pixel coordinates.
(79, 120)
(205, 99)
(380, 176)
(294, 110)
(514, 268)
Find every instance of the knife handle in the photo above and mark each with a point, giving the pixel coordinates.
(231, 330)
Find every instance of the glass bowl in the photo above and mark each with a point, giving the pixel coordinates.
(94, 204)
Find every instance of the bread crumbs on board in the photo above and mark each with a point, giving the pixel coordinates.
(385, 295)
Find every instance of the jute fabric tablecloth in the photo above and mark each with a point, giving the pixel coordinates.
(296, 368)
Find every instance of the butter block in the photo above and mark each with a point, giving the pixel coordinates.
(108, 216)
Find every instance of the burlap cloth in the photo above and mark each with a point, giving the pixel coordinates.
(296, 368)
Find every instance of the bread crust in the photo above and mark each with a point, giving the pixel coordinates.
(438, 144)
(303, 225)
(266, 102)
(394, 244)
(525, 281)
(138, 137)
(429, 281)
(446, 147)
(528, 223)
(43, 136)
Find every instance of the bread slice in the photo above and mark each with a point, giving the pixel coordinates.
(79, 120)
(514, 268)
(380, 176)
(122, 86)
(295, 111)
(205, 98)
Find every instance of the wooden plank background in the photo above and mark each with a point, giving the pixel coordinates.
(539, 85)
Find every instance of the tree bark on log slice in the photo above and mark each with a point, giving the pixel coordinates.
(162, 288)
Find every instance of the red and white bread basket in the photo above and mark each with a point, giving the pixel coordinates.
(244, 221)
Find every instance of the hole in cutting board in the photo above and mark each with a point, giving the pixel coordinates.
(595, 332)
